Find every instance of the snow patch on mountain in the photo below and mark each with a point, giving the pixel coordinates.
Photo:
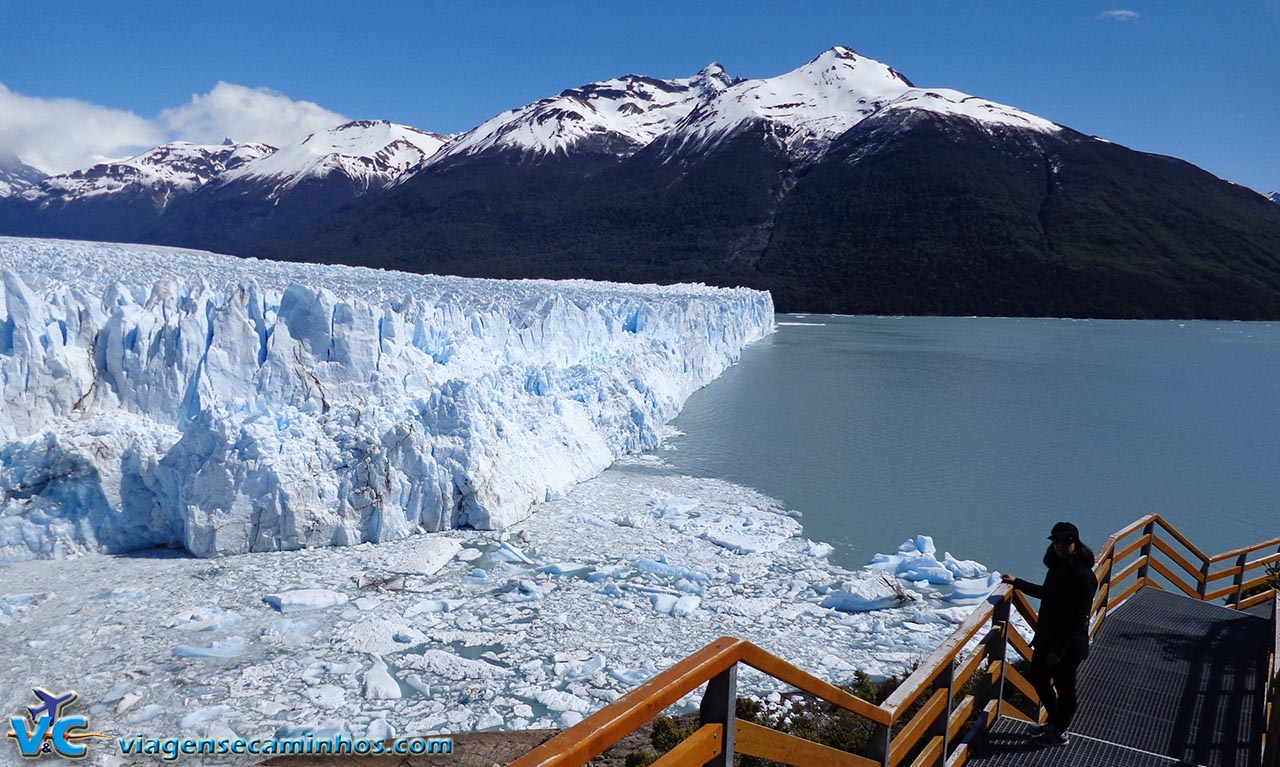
(951, 102)
(615, 116)
(177, 167)
(374, 154)
(16, 176)
(161, 396)
(806, 109)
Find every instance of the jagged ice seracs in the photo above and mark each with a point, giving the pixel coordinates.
(157, 396)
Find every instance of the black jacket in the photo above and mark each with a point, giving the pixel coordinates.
(1066, 598)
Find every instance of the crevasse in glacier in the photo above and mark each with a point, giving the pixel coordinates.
(155, 396)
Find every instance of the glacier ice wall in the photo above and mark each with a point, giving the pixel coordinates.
(156, 396)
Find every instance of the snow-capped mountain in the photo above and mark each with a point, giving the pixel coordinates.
(805, 109)
(840, 186)
(16, 176)
(615, 116)
(157, 175)
(372, 154)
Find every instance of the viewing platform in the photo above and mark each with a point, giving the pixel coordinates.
(1183, 670)
(1170, 680)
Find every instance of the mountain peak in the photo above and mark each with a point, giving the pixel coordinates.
(373, 154)
(836, 52)
(15, 175)
(615, 116)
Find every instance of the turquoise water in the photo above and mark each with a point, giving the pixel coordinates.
(984, 432)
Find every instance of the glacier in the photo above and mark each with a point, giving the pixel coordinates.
(165, 397)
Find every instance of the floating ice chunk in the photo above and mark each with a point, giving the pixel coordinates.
(424, 555)
(489, 720)
(127, 702)
(145, 714)
(664, 603)
(688, 587)
(925, 568)
(13, 606)
(223, 648)
(678, 606)
(365, 604)
(290, 631)
(450, 666)
(470, 555)
(564, 568)
(202, 619)
(379, 684)
(966, 569)
(671, 571)
(442, 605)
(971, 591)
(747, 607)
(520, 590)
(591, 520)
(326, 730)
(570, 718)
(379, 729)
(508, 553)
(916, 561)
(577, 666)
(376, 636)
(921, 544)
(673, 507)
(305, 599)
(817, 549)
(416, 682)
(326, 696)
(686, 605)
(750, 531)
(865, 594)
(559, 700)
(196, 718)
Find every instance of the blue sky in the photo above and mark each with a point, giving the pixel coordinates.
(1195, 80)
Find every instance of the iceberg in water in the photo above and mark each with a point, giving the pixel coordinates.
(157, 396)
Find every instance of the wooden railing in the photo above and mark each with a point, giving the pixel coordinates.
(947, 704)
(1151, 552)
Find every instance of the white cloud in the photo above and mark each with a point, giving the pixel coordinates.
(60, 135)
(1120, 15)
(247, 114)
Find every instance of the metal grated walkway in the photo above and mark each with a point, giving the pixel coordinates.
(1168, 678)
(1009, 745)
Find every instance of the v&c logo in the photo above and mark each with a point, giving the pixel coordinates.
(45, 730)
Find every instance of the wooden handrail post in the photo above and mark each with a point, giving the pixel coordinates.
(1000, 648)
(940, 726)
(1149, 531)
(720, 706)
(1105, 607)
(881, 744)
(1239, 579)
(1203, 586)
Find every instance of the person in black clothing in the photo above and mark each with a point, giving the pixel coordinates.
(1061, 642)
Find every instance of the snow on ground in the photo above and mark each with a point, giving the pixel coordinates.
(533, 626)
(157, 396)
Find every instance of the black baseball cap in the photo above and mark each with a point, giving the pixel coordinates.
(1066, 532)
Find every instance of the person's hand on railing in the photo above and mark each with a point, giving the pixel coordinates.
(1007, 578)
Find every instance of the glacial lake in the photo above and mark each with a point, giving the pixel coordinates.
(984, 432)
